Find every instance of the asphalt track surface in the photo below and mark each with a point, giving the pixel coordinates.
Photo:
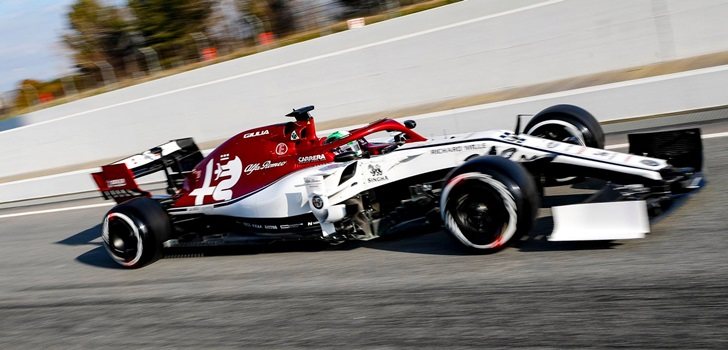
(58, 289)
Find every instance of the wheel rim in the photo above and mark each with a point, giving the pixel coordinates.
(558, 130)
(122, 239)
(561, 131)
(479, 211)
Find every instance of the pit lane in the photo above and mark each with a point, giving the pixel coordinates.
(59, 288)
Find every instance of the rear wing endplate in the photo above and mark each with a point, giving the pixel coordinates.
(176, 158)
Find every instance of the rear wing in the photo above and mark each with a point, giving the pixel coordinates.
(176, 158)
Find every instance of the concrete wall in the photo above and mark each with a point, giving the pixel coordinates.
(467, 48)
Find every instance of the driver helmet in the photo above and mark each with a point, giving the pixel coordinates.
(336, 135)
(352, 146)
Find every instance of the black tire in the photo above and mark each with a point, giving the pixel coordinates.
(133, 232)
(567, 123)
(488, 203)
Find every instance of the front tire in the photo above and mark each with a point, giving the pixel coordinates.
(133, 232)
(488, 203)
(567, 123)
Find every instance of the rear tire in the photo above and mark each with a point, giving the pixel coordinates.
(133, 232)
(488, 203)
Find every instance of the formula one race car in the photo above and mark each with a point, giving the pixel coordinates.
(283, 182)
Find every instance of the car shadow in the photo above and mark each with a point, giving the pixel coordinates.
(440, 242)
(428, 240)
(97, 256)
(84, 237)
(564, 199)
(537, 240)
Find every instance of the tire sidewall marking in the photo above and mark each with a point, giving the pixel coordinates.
(508, 201)
(135, 231)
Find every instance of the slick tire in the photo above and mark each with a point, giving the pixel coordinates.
(488, 203)
(567, 123)
(133, 232)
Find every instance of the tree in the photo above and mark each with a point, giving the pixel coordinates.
(32, 92)
(168, 25)
(96, 34)
(276, 15)
(362, 7)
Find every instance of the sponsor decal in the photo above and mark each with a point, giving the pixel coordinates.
(317, 202)
(251, 168)
(291, 226)
(552, 144)
(116, 183)
(601, 153)
(375, 170)
(512, 137)
(281, 149)
(230, 171)
(649, 162)
(256, 134)
(376, 173)
(446, 150)
(471, 147)
(294, 136)
(311, 181)
(312, 159)
(476, 146)
(274, 227)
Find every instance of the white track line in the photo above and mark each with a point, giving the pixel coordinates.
(108, 204)
(716, 135)
(573, 92)
(57, 210)
(295, 63)
(704, 137)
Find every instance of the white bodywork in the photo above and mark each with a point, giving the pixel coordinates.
(288, 196)
(596, 221)
(147, 157)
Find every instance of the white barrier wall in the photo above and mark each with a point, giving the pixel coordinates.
(467, 48)
(635, 98)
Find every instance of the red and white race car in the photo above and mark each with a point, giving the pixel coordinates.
(283, 182)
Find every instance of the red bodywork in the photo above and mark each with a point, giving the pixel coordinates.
(117, 181)
(258, 157)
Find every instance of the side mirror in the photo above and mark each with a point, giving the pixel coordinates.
(410, 124)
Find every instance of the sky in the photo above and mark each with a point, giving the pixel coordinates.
(30, 41)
